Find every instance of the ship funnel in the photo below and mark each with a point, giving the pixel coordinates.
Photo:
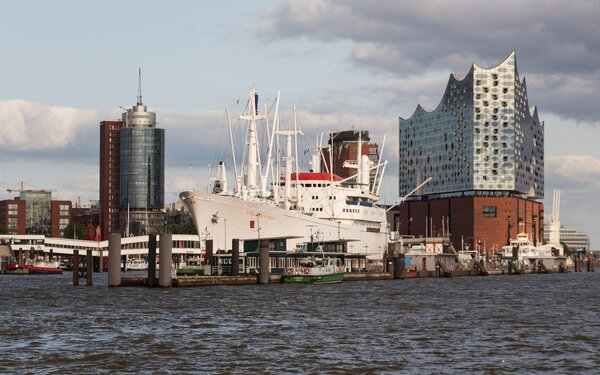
(220, 184)
(256, 102)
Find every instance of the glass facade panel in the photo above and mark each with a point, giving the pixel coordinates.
(142, 168)
(478, 138)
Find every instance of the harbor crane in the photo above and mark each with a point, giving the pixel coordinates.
(21, 189)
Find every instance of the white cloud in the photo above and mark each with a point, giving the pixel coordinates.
(28, 126)
(575, 172)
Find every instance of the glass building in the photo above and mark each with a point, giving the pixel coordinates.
(38, 214)
(482, 139)
(142, 169)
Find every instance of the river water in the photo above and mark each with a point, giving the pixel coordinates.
(486, 325)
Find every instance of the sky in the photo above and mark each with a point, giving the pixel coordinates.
(67, 65)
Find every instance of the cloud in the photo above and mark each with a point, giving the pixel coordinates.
(28, 126)
(573, 172)
(557, 45)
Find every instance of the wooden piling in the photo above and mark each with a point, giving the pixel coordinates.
(235, 257)
(89, 272)
(165, 252)
(114, 259)
(399, 264)
(75, 267)
(152, 259)
(263, 259)
(208, 257)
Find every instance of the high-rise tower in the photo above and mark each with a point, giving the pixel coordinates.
(142, 171)
(483, 146)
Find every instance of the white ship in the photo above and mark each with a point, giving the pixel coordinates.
(272, 200)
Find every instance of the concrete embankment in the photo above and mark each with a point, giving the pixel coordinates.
(188, 281)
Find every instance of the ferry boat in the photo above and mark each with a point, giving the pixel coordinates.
(42, 266)
(136, 265)
(295, 204)
(193, 267)
(314, 270)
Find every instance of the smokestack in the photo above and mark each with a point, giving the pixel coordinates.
(256, 102)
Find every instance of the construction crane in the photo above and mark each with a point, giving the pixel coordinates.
(32, 190)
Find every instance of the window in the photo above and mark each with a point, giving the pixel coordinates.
(489, 211)
(13, 209)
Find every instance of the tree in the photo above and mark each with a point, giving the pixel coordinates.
(75, 230)
(566, 249)
(180, 222)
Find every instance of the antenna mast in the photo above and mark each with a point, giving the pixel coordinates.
(139, 98)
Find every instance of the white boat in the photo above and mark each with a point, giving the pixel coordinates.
(272, 200)
(136, 265)
(527, 256)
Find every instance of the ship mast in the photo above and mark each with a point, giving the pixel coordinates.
(289, 159)
(252, 116)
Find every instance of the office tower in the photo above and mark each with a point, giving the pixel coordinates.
(483, 147)
(142, 171)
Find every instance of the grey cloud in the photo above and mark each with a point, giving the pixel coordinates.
(409, 39)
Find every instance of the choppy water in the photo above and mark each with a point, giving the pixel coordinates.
(493, 325)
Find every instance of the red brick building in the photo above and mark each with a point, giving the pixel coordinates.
(109, 177)
(476, 221)
(344, 147)
(12, 216)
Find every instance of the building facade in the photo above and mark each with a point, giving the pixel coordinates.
(483, 147)
(142, 172)
(12, 216)
(108, 206)
(34, 212)
(132, 170)
(344, 149)
(575, 239)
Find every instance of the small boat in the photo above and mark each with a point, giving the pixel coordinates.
(136, 265)
(313, 270)
(193, 267)
(42, 266)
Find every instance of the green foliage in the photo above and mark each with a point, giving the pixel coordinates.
(75, 230)
(566, 249)
(180, 222)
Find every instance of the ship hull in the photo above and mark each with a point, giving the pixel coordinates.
(224, 217)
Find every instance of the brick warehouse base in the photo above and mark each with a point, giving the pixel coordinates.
(485, 222)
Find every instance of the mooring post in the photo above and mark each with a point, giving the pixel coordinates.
(263, 262)
(152, 260)
(389, 260)
(208, 258)
(398, 266)
(89, 272)
(235, 257)
(114, 259)
(75, 267)
(165, 252)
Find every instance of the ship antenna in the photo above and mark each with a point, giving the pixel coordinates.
(139, 98)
